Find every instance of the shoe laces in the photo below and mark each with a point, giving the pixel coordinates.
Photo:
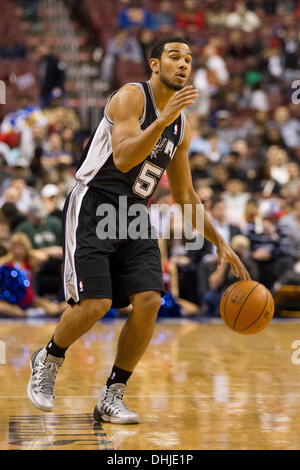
(114, 400)
(45, 376)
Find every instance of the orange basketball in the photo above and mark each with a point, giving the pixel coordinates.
(247, 307)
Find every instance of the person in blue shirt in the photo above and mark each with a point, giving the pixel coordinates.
(136, 15)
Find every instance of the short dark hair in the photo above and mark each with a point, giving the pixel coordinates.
(158, 46)
(235, 154)
(192, 154)
(216, 200)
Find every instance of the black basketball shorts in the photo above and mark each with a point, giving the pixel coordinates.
(110, 268)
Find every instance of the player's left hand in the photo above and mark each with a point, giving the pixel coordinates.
(226, 253)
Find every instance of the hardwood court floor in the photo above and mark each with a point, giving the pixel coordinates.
(199, 386)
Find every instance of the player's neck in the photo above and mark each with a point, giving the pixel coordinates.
(162, 94)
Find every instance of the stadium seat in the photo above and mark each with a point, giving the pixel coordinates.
(128, 71)
(288, 301)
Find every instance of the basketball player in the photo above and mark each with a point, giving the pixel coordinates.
(142, 133)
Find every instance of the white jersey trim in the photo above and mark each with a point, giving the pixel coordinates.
(182, 128)
(98, 153)
(142, 118)
(71, 224)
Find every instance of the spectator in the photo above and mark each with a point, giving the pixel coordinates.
(190, 18)
(50, 200)
(272, 64)
(277, 160)
(21, 256)
(55, 152)
(241, 146)
(291, 225)
(216, 14)
(136, 16)
(51, 74)
(205, 194)
(236, 95)
(17, 192)
(42, 231)
(165, 18)
(270, 247)
(69, 143)
(10, 48)
(195, 124)
(31, 12)
(122, 46)
(171, 283)
(225, 131)
(179, 254)
(285, 6)
(235, 199)
(292, 187)
(45, 232)
(261, 181)
(263, 6)
(255, 129)
(216, 63)
(243, 19)
(233, 166)
(290, 43)
(211, 146)
(253, 70)
(238, 49)
(207, 84)
(146, 39)
(258, 98)
(219, 178)
(265, 39)
(59, 116)
(289, 127)
(12, 215)
(199, 164)
(272, 137)
(27, 115)
(65, 181)
(219, 214)
(251, 215)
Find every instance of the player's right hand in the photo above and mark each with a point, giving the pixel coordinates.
(182, 98)
(226, 253)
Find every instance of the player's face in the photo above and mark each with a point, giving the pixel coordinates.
(175, 65)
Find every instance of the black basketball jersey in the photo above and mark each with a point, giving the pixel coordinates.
(97, 168)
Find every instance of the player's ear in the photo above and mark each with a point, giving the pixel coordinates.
(154, 65)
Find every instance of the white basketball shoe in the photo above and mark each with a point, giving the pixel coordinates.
(40, 389)
(110, 406)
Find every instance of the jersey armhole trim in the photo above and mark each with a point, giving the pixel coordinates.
(182, 128)
(142, 118)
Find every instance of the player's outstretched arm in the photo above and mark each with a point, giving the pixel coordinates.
(130, 144)
(180, 179)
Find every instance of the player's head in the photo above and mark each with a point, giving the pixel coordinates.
(171, 61)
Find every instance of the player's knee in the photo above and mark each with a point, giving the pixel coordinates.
(96, 308)
(148, 302)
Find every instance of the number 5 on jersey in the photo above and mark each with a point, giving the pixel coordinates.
(147, 180)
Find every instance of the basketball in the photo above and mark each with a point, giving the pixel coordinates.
(247, 307)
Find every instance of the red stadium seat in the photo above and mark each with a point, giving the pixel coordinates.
(128, 71)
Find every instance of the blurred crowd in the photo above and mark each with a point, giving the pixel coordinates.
(244, 153)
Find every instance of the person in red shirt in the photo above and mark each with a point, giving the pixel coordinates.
(190, 18)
